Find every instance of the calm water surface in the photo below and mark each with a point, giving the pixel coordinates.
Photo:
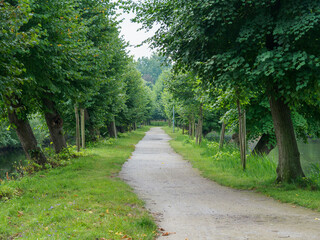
(309, 153)
(8, 160)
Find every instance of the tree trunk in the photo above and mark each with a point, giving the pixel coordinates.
(27, 138)
(289, 166)
(77, 128)
(83, 129)
(223, 130)
(190, 128)
(197, 131)
(264, 146)
(193, 126)
(112, 130)
(55, 125)
(200, 125)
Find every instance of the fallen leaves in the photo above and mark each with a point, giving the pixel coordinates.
(168, 233)
(165, 233)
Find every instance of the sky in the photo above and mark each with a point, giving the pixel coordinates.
(130, 33)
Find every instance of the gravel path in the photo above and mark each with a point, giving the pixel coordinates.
(187, 206)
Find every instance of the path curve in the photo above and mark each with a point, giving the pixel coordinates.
(194, 208)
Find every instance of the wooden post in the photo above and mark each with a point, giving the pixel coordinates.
(193, 126)
(77, 127)
(200, 125)
(242, 134)
(244, 139)
(114, 127)
(83, 138)
(223, 130)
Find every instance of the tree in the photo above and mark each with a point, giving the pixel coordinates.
(151, 68)
(15, 40)
(249, 46)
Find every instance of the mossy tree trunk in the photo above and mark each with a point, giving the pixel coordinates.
(55, 125)
(27, 138)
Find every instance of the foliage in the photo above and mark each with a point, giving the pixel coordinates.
(14, 41)
(252, 49)
(138, 97)
(151, 68)
(8, 138)
(157, 91)
(59, 54)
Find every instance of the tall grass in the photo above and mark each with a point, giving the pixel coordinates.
(224, 166)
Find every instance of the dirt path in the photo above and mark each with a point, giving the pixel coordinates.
(194, 208)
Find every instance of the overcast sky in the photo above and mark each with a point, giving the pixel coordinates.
(131, 34)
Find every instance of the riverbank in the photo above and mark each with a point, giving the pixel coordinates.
(84, 200)
(224, 168)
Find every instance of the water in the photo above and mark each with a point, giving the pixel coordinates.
(8, 160)
(309, 154)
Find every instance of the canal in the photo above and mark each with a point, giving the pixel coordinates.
(309, 155)
(8, 161)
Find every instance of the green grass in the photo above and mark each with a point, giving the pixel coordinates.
(224, 167)
(84, 200)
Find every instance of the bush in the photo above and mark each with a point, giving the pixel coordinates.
(7, 192)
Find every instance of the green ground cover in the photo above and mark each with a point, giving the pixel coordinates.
(224, 167)
(84, 200)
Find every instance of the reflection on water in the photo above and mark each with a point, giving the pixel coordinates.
(8, 160)
(309, 152)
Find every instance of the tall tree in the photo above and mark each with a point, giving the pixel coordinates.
(247, 45)
(16, 41)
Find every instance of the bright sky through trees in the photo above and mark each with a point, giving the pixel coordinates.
(130, 32)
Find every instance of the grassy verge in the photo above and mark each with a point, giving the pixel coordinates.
(224, 167)
(84, 200)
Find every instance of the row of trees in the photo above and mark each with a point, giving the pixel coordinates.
(258, 58)
(56, 56)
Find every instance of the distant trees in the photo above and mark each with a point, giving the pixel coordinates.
(252, 49)
(151, 67)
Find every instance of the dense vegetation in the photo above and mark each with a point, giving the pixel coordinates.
(254, 62)
(247, 67)
(59, 58)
